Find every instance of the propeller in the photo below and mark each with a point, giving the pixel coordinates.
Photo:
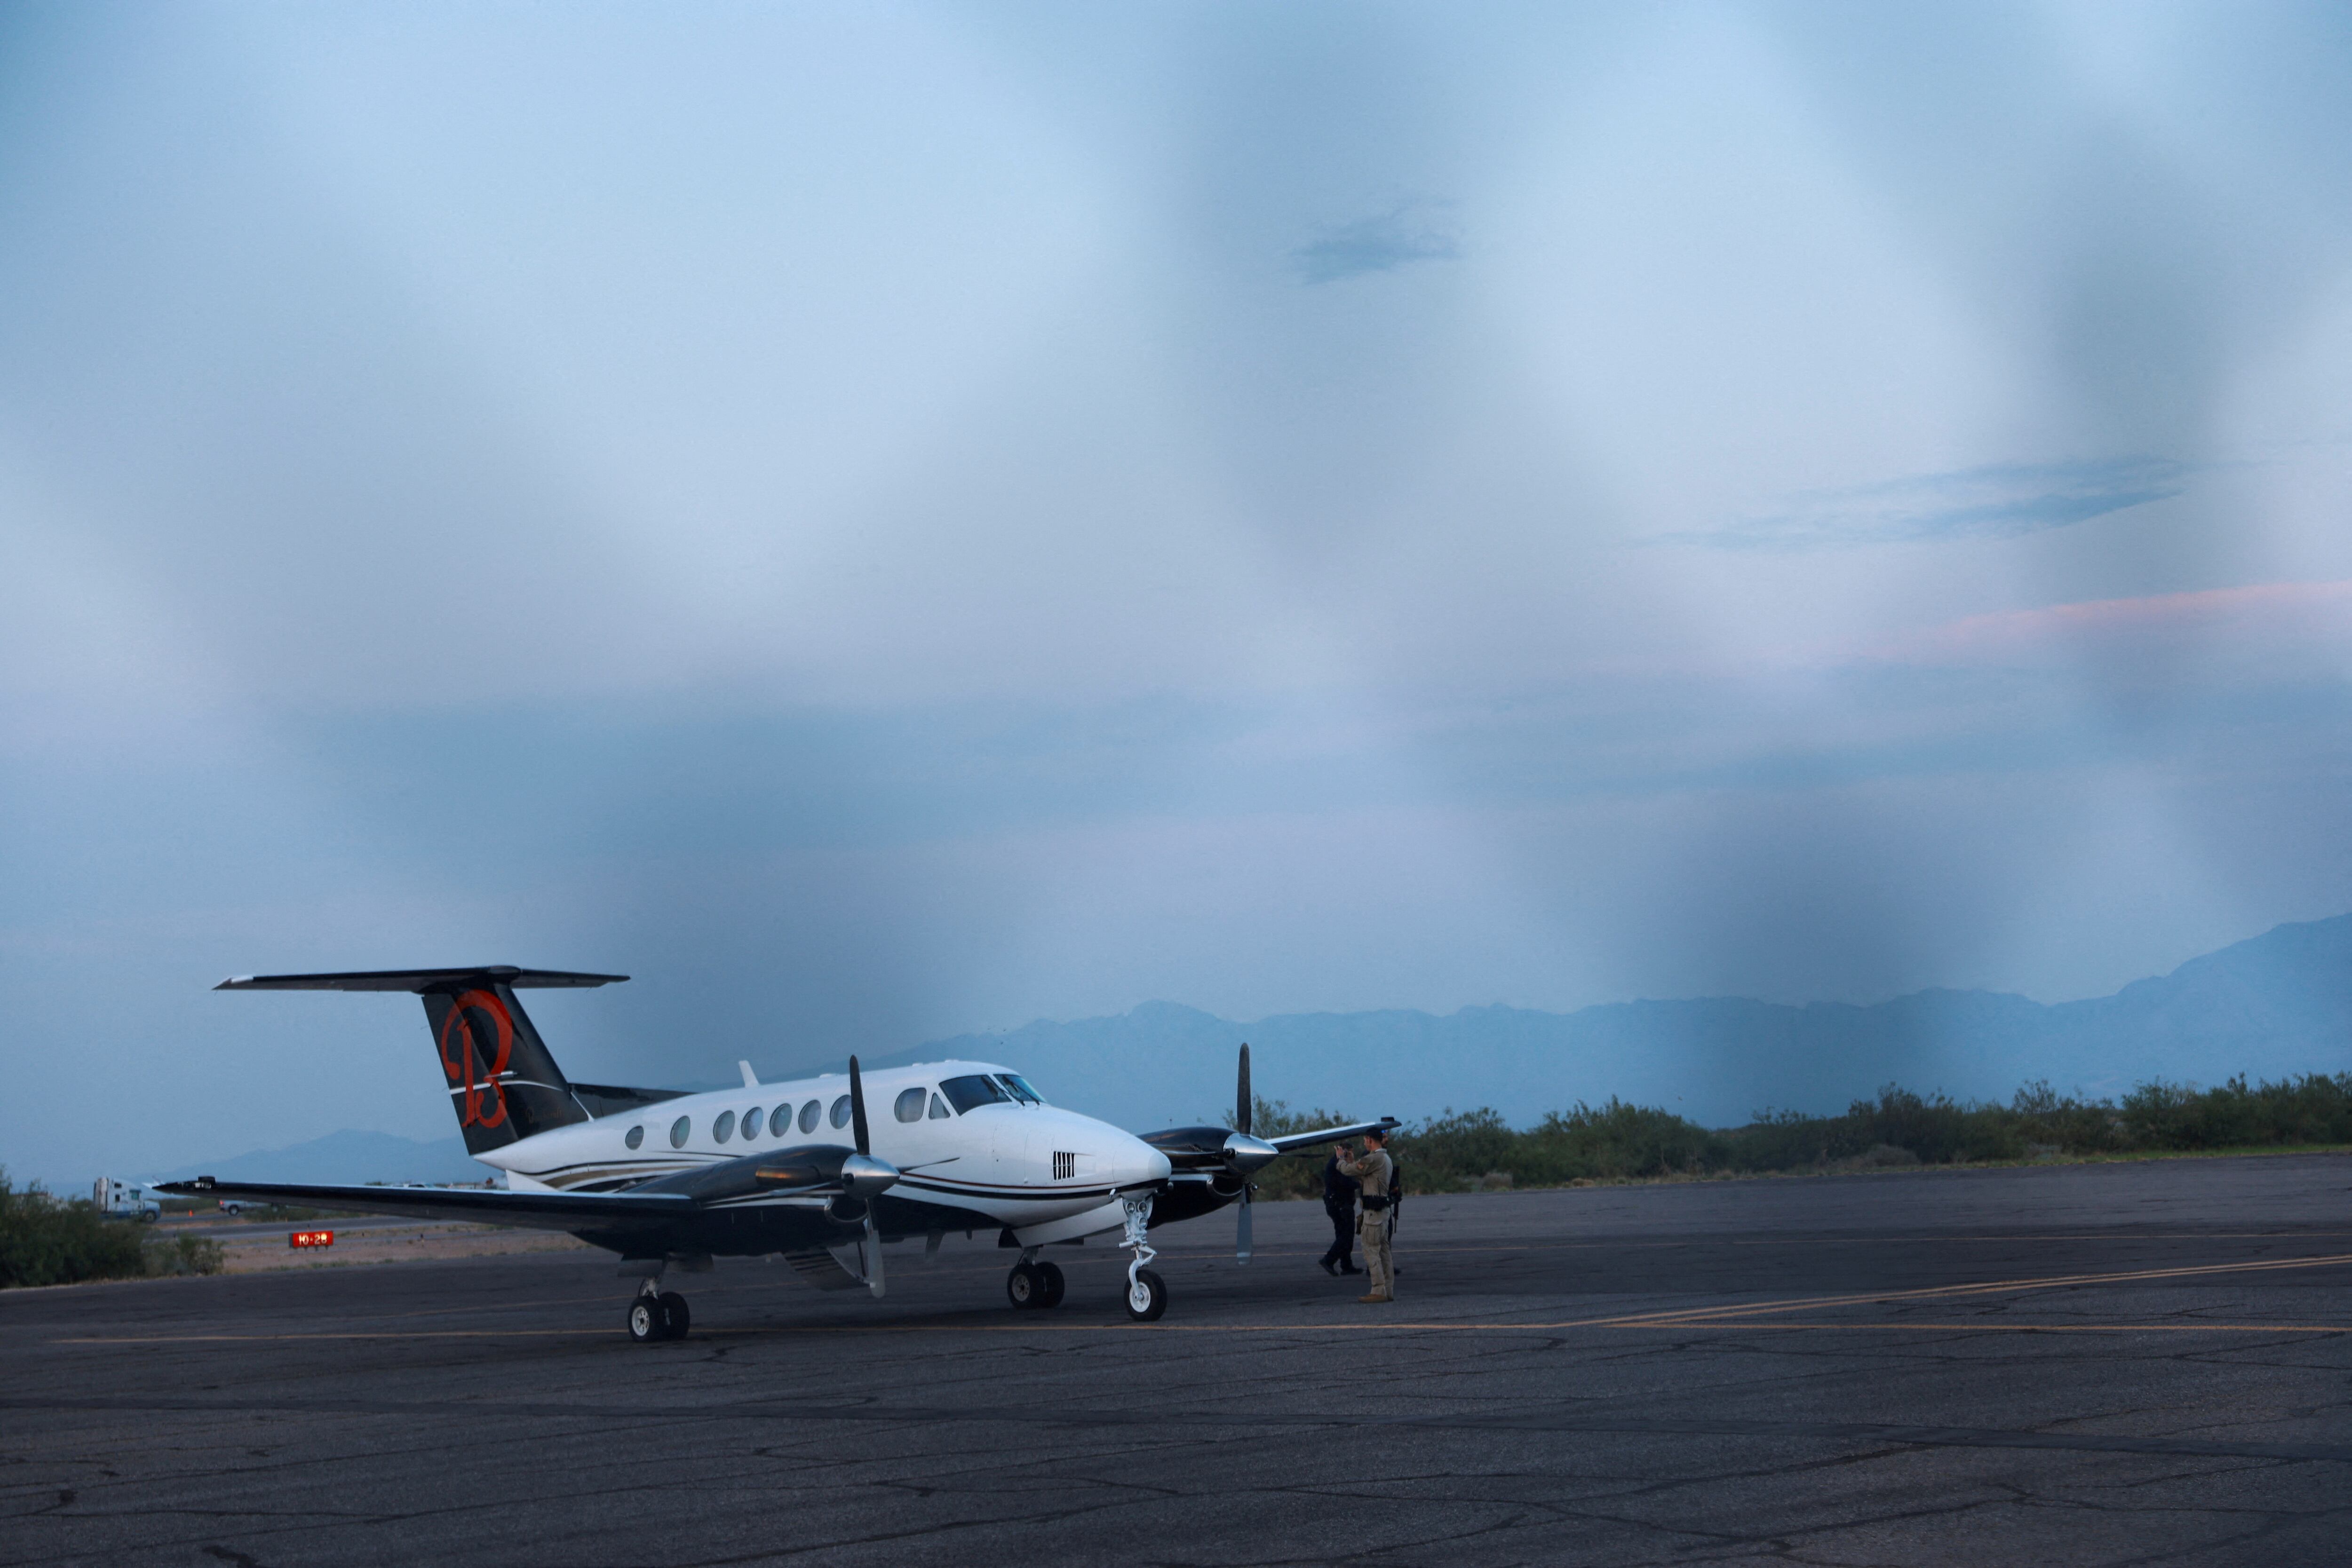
(1244, 1155)
(1242, 1113)
(864, 1176)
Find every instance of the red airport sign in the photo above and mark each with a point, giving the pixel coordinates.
(311, 1238)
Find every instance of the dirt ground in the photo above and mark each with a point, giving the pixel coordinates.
(434, 1242)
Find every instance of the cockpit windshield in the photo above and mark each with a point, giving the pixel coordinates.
(1021, 1089)
(971, 1092)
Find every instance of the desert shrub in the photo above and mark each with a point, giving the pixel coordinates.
(2315, 1109)
(2042, 1115)
(2163, 1115)
(1790, 1140)
(1454, 1149)
(47, 1241)
(183, 1255)
(1458, 1150)
(1619, 1140)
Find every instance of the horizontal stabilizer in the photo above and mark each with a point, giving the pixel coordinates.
(534, 1210)
(414, 979)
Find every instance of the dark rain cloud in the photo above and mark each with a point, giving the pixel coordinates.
(1410, 232)
(1997, 502)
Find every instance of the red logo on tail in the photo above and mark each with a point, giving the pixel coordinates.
(470, 1065)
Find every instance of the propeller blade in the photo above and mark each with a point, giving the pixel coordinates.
(1242, 1230)
(873, 1255)
(1242, 1103)
(857, 1109)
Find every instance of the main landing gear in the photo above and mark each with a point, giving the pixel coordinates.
(1034, 1285)
(658, 1314)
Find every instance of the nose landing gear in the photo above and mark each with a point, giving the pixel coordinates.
(1146, 1292)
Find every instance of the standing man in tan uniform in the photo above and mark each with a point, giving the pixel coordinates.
(1372, 1168)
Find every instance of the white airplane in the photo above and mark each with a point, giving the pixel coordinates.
(670, 1180)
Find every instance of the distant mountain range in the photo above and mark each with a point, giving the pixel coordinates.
(2274, 1005)
(2277, 1005)
(345, 1156)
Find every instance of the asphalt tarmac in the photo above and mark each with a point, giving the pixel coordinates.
(2085, 1365)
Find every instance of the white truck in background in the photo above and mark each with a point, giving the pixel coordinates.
(128, 1199)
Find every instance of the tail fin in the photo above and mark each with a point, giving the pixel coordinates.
(503, 1084)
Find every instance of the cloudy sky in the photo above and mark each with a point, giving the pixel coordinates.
(885, 521)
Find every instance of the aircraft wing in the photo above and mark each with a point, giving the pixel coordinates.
(534, 1210)
(1331, 1134)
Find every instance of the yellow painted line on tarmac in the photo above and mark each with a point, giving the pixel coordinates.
(332, 1335)
(2048, 1328)
(1691, 1315)
(1733, 1315)
(1373, 1325)
(1189, 1249)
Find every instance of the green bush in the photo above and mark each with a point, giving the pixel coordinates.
(2313, 1110)
(185, 1255)
(1452, 1151)
(46, 1240)
(1615, 1140)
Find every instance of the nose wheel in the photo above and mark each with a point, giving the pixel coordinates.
(658, 1314)
(1147, 1296)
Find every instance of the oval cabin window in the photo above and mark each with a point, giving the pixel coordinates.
(909, 1107)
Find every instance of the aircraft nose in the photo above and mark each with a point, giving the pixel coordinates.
(1138, 1163)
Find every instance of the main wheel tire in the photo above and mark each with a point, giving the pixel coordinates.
(1049, 1275)
(675, 1317)
(1025, 1287)
(1147, 1297)
(646, 1320)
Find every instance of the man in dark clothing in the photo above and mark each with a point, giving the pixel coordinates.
(1340, 1202)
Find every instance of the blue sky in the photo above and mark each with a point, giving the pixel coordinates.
(896, 521)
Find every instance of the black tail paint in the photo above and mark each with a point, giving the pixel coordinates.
(503, 1085)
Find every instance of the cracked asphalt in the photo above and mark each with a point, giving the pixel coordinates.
(2127, 1363)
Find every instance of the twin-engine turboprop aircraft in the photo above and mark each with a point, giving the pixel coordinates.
(672, 1180)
